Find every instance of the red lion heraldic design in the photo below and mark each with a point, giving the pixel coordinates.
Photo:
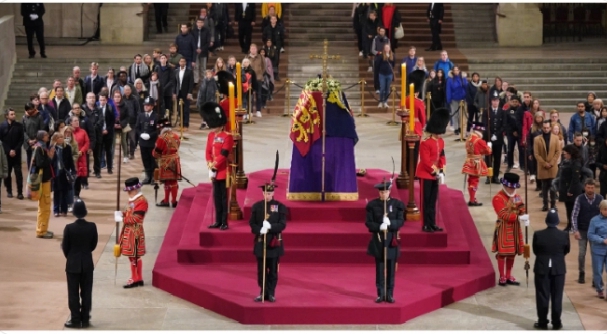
(132, 238)
(508, 235)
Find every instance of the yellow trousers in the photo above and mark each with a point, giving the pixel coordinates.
(44, 208)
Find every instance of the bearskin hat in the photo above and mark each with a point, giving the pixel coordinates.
(439, 119)
(223, 82)
(214, 115)
(418, 79)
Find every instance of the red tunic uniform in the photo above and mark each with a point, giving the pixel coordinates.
(420, 115)
(475, 165)
(219, 147)
(132, 238)
(431, 158)
(508, 235)
(167, 153)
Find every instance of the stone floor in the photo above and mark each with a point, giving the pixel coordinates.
(32, 277)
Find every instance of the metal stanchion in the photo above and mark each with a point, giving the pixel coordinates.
(250, 113)
(428, 104)
(181, 136)
(174, 113)
(362, 83)
(287, 112)
(461, 119)
(393, 122)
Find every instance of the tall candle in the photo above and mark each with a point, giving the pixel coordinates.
(239, 84)
(411, 109)
(232, 109)
(403, 84)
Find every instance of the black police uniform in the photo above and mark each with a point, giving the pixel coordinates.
(79, 241)
(497, 126)
(34, 26)
(375, 214)
(277, 217)
(147, 124)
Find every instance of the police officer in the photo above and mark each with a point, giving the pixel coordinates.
(32, 21)
(385, 216)
(269, 218)
(514, 128)
(146, 128)
(79, 241)
(495, 117)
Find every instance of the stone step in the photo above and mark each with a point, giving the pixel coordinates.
(536, 74)
(555, 67)
(580, 61)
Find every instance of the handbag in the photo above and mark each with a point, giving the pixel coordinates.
(399, 32)
(126, 129)
(34, 180)
(70, 177)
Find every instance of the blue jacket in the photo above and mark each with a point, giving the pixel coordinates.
(446, 66)
(471, 91)
(597, 233)
(410, 63)
(456, 88)
(575, 124)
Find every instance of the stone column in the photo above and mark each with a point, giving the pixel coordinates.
(521, 26)
(8, 56)
(122, 23)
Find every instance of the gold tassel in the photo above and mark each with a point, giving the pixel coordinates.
(117, 251)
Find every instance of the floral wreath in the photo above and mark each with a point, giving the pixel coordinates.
(315, 85)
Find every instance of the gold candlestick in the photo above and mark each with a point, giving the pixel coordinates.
(412, 210)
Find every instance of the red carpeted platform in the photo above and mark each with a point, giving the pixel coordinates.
(325, 276)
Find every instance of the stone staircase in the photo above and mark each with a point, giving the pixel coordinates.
(309, 26)
(474, 24)
(178, 14)
(417, 30)
(31, 74)
(232, 47)
(557, 83)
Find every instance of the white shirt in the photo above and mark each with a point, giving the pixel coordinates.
(181, 72)
(71, 94)
(103, 115)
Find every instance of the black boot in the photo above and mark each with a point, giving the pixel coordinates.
(216, 225)
(224, 227)
(390, 298)
(581, 279)
(488, 180)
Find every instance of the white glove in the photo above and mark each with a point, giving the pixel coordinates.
(383, 226)
(263, 230)
(118, 217)
(524, 219)
(386, 221)
(266, 224)
(145, 136)
(33, 17)
(441, 178)
(212, 174)
(490, 145)
(493, 138)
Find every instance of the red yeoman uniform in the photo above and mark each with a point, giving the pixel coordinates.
(132, 237)
(166, 152)
(508, 237)
(475, 165)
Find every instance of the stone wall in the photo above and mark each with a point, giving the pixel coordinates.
(60, 19)
(521, 26)
(123, 23)
(8, 56)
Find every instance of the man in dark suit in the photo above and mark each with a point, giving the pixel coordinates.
(161, 11)
(12, 136)
(108, 117)
(146, 128)
(184, 85)
(550, 247)
(79, 242)
(434, 15)
(32, 21)
(495, 117)
(93, 82)
(244, 14)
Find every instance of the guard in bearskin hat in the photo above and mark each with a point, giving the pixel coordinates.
(385, 217)
(224, 79)
(79, 242)
(418, 79)
(474, 165)
(132, 237)
(166, 153)
(220, 144)
(430, 167)
(508, 237)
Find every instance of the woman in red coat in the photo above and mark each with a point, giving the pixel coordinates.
(82, 139)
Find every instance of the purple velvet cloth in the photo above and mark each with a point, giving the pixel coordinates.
(340, 169)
